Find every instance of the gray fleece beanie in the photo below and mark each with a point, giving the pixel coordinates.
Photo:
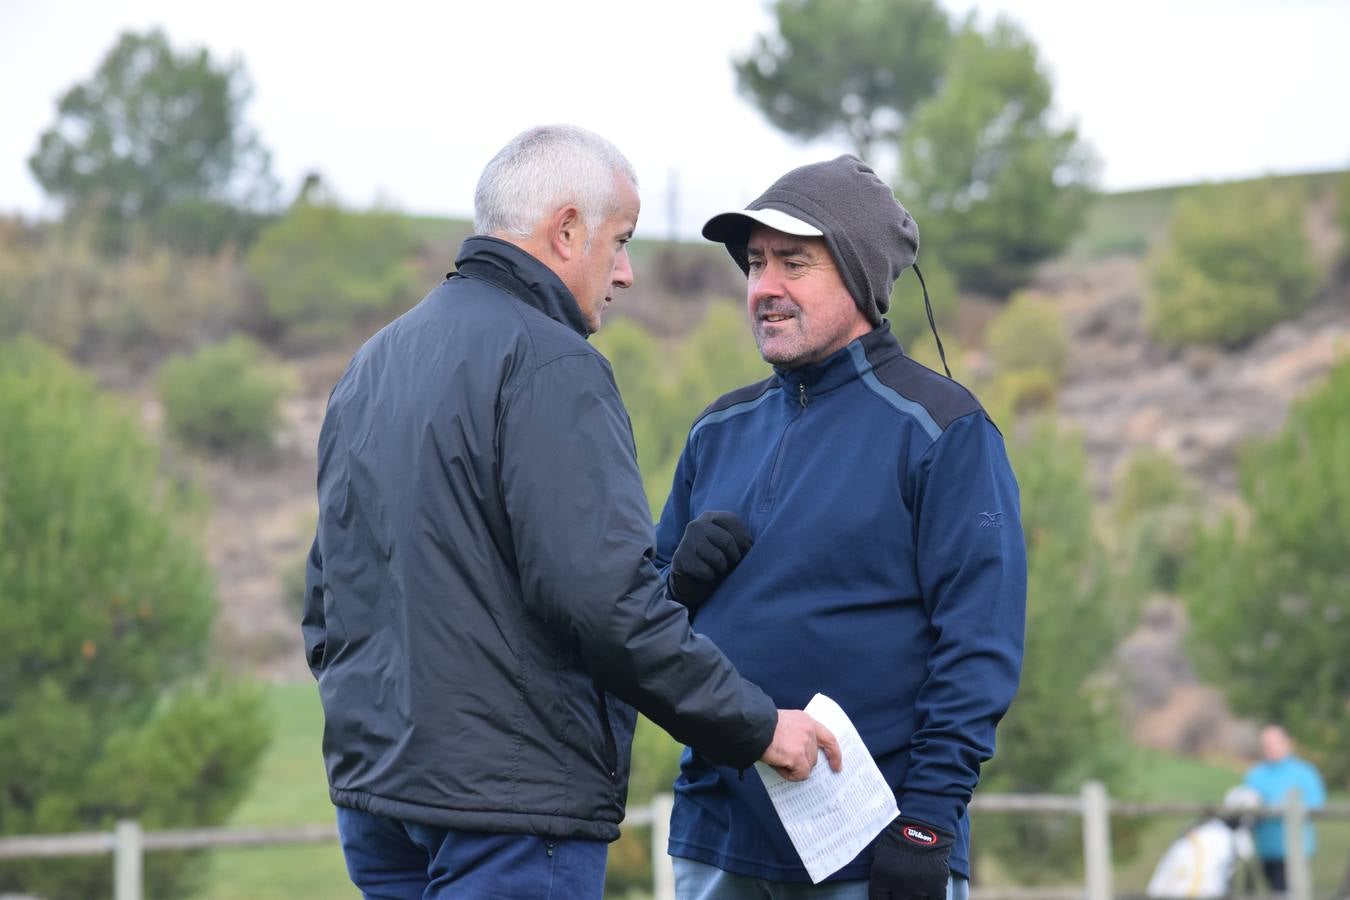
(870, 235)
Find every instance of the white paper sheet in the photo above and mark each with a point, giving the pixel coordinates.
(832, 816)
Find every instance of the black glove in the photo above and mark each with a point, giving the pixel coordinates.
(910, 862)
(711, 547)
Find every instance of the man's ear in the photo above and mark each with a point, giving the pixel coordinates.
(567, 233)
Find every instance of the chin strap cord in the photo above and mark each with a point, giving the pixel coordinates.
(932, 323)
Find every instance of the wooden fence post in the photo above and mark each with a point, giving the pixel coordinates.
(1096, 841)
(1297, 873)
(127, 855)
(663, 872)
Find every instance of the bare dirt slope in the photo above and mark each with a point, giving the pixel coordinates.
(1125, 392)
(261, 524)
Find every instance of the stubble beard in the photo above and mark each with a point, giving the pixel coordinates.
(782, 350)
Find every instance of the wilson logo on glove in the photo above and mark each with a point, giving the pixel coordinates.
(919, 836)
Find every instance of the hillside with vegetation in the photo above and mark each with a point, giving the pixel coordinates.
(1170, 370)
(226, 359)
(201, 349)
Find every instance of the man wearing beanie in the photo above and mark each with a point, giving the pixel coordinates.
(888, 568)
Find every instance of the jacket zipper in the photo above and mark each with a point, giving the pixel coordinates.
(611, 745)
(771, 490)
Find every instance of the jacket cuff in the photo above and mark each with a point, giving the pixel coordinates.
(763, 723)
(938, 810)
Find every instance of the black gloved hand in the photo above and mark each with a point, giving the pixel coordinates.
(910, 862)
(711, 547)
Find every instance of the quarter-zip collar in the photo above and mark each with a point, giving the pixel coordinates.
(857, 358)
(524, 277)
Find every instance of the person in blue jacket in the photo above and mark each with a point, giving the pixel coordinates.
(1280, 772)
(888, 566)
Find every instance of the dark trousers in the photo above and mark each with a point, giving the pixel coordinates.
(1274, 872)
(390, 859)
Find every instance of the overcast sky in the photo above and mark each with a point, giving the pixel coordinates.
(401, 103)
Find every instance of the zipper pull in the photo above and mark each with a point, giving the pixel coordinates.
(801, 393)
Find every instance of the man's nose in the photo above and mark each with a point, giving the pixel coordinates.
(767, 285)
(623, 270)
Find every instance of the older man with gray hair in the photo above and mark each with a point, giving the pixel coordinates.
(481, 604)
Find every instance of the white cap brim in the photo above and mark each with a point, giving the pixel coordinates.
(733, 227)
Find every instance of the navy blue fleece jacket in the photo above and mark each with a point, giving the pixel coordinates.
(888, 572)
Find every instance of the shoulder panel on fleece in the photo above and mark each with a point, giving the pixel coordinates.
(915, 390)
(742, 400)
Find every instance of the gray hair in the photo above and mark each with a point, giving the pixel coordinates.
(543, 169)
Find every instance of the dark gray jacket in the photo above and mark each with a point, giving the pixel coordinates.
(481, 603)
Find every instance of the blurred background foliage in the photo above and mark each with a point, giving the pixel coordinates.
(1072, 626)
(1268, 592)
(153, 145)
(224, 397)
(177, 296)
(109, 705)
(858, 69)
(322, 272)
(994, 180)
(1237, 260)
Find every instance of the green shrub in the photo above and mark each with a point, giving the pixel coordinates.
(1014, 394)
(1149, 481)
(1028, 335)
(223, 398)
(1121, 241)
(924, 351)
(131, 311)
(107, 707)
(665, 392)
(18, 278)
(717, 356)
(644, 382)
(1267, 592)
(325, 272)
(197, 225)
(1237, 260)
(1072, 628)
(162, 303)
(1155, 512)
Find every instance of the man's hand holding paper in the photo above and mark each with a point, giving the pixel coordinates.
(837, 810)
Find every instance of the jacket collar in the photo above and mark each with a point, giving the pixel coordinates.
(510, 268)
(852, 361)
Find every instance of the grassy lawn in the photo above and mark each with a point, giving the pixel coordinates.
(291, 789)
(1162, 777)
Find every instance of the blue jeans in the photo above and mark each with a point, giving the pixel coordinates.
(390, 859)
(700, 881)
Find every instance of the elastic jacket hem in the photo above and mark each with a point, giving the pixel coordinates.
(491, 821)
